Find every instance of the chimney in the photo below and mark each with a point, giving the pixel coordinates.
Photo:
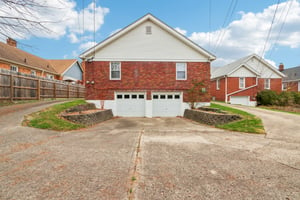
(11, 42)
(281, 67)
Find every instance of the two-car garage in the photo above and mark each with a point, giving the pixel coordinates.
(161, 104)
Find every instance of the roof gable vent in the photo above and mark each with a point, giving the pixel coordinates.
(148, 30)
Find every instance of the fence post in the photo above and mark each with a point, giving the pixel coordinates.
(77, 91)
(11, 88)
(38, 92)
(54, 90)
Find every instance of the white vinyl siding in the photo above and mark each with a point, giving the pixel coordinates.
(115, 71)
(267, 83)
(242, 82)
(181, 71)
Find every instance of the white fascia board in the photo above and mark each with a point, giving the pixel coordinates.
(150, 60)
(247, 67)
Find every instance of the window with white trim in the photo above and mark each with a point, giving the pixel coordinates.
(181, 71)
(218, 84)
(115, 71)
(284, 86)
(14, 68)
(50, 76)
(33, 72)
(242, 82)
(267, 83)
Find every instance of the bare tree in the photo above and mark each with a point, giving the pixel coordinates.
(19, 18)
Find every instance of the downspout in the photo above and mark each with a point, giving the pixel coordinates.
(226, 96)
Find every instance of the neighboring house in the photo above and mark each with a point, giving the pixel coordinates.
(69, 69)
(292, 80)
(239, 82)
(17, 60)
(145, 69)
(14, 59)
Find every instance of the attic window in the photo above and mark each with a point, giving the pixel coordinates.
(148, 30)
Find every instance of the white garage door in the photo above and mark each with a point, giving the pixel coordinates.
(130, 104)
(166, 104)
(241, 100)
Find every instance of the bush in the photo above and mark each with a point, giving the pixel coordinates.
(285, 99)
(267, 97)
(296, 97)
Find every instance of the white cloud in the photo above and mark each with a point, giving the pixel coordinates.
(248, 34)
(86, 46)
(73, 38)
(183, 32)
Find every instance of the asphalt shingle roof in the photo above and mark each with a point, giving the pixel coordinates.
(18, 56)
(292, 74)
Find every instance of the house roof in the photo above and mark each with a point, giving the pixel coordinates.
(292, 74)
(242, 62)
(89, 53)
(19, 57)
(61, 66)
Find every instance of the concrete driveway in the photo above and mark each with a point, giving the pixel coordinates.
(140, 158)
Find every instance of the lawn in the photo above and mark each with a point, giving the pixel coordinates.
(49, 118)
(249, 124)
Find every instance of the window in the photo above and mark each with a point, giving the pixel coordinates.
(267, 83)
(180, 71)
(115, 71)
(284, 86)
(50, 76)
(13, 68)
(218, 84)
(242, 83)
(33, 72)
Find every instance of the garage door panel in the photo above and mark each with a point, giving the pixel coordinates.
(166, 105)
(130, 104)
(241, 100)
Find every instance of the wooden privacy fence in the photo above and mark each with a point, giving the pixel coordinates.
(22, 87)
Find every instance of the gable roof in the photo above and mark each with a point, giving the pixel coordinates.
(242, 62)
(89, 53)
(292, 74)
(62, 66)
(17, 56)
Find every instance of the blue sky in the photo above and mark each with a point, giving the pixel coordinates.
(230, 29)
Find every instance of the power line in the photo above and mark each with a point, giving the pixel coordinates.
(270, 30)
(282, 25)
(229, 14)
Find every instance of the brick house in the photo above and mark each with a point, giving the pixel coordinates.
(239, 81)
(145, 69)
(17, 60)
(292, 80)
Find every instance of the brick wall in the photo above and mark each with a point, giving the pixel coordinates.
(233, 86)
(26, 70)
(143, 76)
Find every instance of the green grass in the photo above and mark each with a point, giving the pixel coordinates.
(249, 124)
(8, 103)
(49, 118)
